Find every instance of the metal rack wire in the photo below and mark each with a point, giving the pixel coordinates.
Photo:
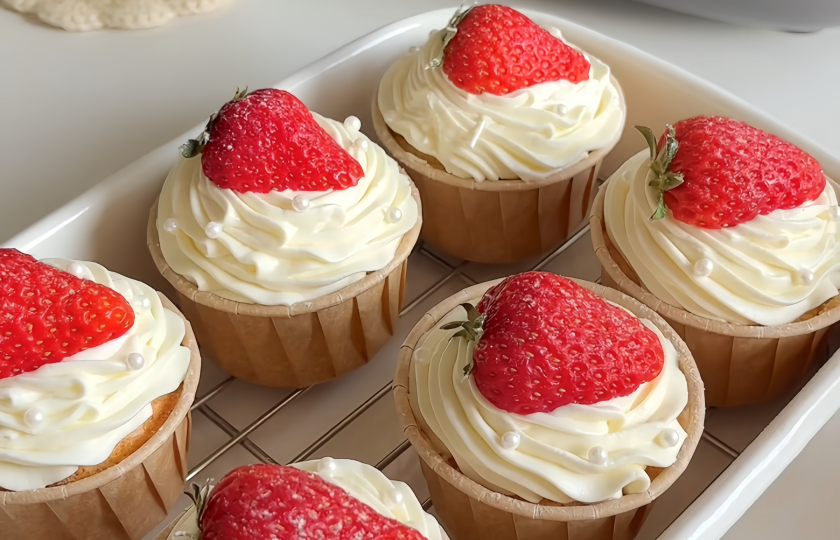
(241, 437)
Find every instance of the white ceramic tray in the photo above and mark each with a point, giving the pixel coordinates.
(236, 423)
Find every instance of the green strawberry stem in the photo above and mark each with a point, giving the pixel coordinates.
(471, 329)
(450, 31)
(194, 147)
(198, 496)
(664, 179)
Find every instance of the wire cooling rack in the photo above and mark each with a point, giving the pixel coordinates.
(453, 271)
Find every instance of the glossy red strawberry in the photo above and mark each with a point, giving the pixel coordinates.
(498, 50)
(733, 172)
(548, 342)
(268, 141)
(261, 502)
(47, 315)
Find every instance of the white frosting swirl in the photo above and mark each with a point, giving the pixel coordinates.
(390, 498)
(92, 400)
(552, 458)
(768, 271)
(528, 134)
(261, 250)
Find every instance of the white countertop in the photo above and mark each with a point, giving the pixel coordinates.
(78, 107)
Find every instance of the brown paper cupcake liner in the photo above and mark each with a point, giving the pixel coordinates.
(497, 221)
(123, 502)
(469, 511)
(298, 345)
(740, 364)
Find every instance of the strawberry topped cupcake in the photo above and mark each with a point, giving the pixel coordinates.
(277, 221)
(548, 393)
(731, 233)
(96, 379)
(331, 499)
(495, 103)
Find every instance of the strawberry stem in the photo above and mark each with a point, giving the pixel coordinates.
(471, 329)
(451, 30)
(194, 147)
(663, 180)
(198, 496)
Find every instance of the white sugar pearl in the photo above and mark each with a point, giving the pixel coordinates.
(598, 455)
(141, 303)
(352, 123)
(33, 417)
(213, 229)
(834, 212)
(135, 361)
(76, 269)
(301, 203)
(360, 144)
(510, 440)
(327, 466)
(422, 355)
(395, 497)
(669, 438)
(393, 215)
(703, 267)
(562, 109)
(806, 277)
(170, 225)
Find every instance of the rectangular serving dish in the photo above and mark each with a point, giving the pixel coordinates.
(236, 423)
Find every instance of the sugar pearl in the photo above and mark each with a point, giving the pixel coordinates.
(301, 203)
(170, 225)
(213, 229)
(598, 455)
(562, 109)
(327, 466)
(141, 303)
(33, 417)
(393, 215)
(510, 440)
(135, 361)
(352, 123)
(806, 277)
(703, 267)
(76, 269)
(395, 497)
(360, 144)
(668, 438)
(422, 355)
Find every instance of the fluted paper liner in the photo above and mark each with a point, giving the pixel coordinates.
(123, 502)
(302, 344)
(498, 221)
(740, 364)
(469, 511)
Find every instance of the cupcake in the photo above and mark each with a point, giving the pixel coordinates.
(502, 125)
(96, 381)
(285, 236)
(553, 407)
(326, 498)
(730, 234)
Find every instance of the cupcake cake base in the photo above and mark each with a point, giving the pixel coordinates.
(298, 345)
(469, 511)
(498, 221)
(740, 364)
(125, 500)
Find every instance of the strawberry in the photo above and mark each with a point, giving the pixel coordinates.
(268, 140)
(496, 49)
(47, 315)
(258, 502)
(548, 342)
(715, 172)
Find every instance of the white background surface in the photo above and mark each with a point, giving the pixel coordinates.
(77, 107)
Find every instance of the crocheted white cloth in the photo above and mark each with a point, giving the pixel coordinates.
(86, 15)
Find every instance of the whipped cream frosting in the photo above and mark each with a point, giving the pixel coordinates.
(92, 400)
(546, 455)
(528, 134)
(257, 248)
(388, 497)
(768, 271)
